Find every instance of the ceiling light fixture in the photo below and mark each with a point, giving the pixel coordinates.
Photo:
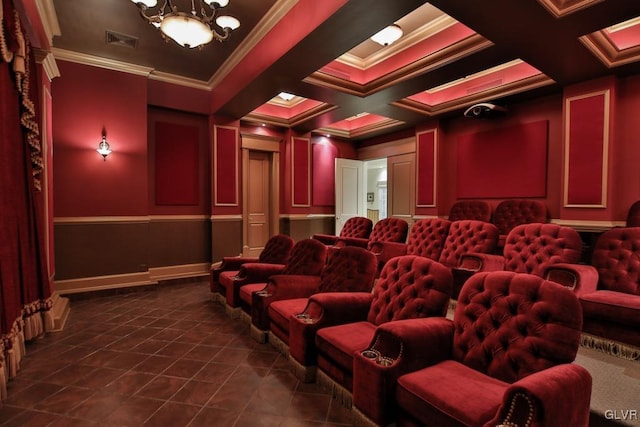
(387, 35)
(191, 29)
(286, 96)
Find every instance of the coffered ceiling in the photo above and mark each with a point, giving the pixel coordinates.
(453, 53)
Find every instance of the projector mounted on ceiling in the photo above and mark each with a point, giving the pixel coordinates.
(484, 110)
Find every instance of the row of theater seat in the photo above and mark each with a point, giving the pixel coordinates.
(359, 231)
(361, 342)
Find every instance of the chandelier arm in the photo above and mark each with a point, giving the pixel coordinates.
(223, 37)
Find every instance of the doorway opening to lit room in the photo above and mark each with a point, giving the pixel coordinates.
(376, 173)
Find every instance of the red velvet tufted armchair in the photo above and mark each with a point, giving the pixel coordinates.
(529, 248)
(505, 359)
(357, 227)
(470, 209)
(609, 291)
(467, 236)
(276, 251)
(512, 212)
(408, 287)
(426, 239)
(350, 269)
(307, 260)
(385, 230)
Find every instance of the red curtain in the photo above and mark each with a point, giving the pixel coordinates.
(24, 279)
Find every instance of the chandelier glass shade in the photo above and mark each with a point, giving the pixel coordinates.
(190, 29)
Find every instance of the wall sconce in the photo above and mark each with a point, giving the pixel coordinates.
(103, 147)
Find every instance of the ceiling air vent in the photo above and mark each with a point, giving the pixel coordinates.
(119, 39)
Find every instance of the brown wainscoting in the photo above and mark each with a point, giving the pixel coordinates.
(226, 236)
(304, 226)
(90, 247)
(179, 240)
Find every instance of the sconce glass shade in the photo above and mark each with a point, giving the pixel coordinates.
(103, 148)
(387, 35)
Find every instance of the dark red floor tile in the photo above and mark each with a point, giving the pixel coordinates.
(173, 414)
(162, 387)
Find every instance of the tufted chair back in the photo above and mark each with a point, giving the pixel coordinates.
(358, 227)
(633, 216)
(349, 269)
(616, 256)
(390, 230)
(308, 257)
(470, 209)
(468, 236)
(509, 325)
(513, 212)
(427, 237)
(531, 248)
(409, 287)
(276, 250)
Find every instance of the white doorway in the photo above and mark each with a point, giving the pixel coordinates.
(376, 172)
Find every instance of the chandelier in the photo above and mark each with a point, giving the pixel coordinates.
(192, 29)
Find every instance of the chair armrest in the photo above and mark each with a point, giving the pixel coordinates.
(234, 263)
(280, 287)
(397, 348)
(258, 272)
(352, 241)
(554, 397)
(327, 239)
(582, 279)
(481, 262)
(322, 310)
(228, 263)
(387, 250)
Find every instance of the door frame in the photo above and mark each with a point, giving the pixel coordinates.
(272, 146)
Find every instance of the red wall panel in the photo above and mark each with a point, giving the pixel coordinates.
(86, 101)
(586, 150)
(503, 162)
(176, 165)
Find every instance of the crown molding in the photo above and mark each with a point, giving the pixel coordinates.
(179, 80)
(96, 61)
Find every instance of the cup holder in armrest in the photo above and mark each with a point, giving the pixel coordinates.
(385, 361)
(371, 354)
(305, 318)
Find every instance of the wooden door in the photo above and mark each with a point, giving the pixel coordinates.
(258, 202)
(401, 186)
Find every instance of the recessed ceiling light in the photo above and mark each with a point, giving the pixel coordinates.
(387, 35)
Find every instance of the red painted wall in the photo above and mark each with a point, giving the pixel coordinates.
(625, 155)
(450, 131)
(88, 100)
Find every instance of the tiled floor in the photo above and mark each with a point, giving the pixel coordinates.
(167, 356)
